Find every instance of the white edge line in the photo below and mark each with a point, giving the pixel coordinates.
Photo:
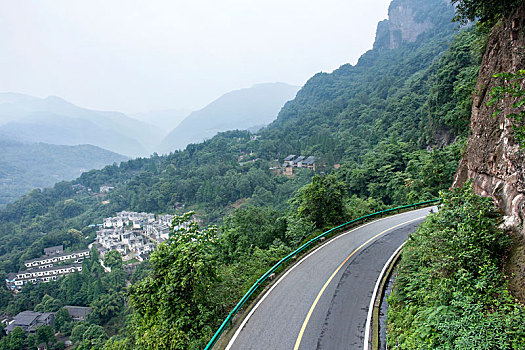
(247, 318)
(366, 344)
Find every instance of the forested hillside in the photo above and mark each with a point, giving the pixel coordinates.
(378, 136)
(25, 166)
(393, 124)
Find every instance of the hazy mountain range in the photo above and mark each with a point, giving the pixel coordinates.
(40, 137)
(56, 121)
(244, 109)
(53, 120)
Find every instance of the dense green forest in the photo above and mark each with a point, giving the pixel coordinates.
(395, 123)
(451, 291)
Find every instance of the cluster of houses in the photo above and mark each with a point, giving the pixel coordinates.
(29, 321)
(133, 235)
(293, 162)
(79, 188)
(53, 264)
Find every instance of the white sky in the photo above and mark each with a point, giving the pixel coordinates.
(145, 55)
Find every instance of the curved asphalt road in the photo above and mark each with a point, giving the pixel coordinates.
(338, 319)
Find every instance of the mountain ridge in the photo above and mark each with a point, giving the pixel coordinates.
(118, 132)
(238, 109)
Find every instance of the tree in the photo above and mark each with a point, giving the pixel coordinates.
(78, 332)
(113, 260)
(31, 341)
(63, 321)
(48, 304)
(96, 335)
(322, 201)
(487, 11)
(45, 334)
(105, 307)
(250, 227)
(118, 343)
(88, 336)
(172, 305)
(16, 339)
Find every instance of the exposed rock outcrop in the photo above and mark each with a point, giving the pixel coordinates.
(407, 19)
(493, 159)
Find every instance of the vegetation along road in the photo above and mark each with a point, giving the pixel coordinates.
(322, 302)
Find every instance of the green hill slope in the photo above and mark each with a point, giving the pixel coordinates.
(371, 118)
(24, 167)
(389, 124)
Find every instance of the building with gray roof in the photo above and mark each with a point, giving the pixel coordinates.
(29, 321)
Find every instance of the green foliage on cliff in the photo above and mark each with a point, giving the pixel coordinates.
(449, 103)
(450, 290)
(486, 11)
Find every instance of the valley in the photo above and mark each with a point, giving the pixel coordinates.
(184, 232)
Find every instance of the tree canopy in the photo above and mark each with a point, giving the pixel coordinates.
(486, 11)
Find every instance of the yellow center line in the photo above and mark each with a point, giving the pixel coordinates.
(307, 319)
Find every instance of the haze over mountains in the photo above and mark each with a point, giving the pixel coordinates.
(166, 120)
(44, 141)
(243, 109)
(53, 120)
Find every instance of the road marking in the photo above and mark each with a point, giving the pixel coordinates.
(241, 326)
(366, 341)
(247, 318)
(307, 319)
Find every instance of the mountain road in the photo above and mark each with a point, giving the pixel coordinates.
(322, 301)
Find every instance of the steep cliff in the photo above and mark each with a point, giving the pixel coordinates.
(407, 19)
(493, 159)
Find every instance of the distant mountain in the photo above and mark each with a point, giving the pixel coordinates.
(240, 109)
(27, 166)
(56, 121)
(166, 120)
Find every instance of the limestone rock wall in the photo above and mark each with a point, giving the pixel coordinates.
(403, 25)
(493, 160)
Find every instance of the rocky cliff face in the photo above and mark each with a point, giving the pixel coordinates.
(407, 19)
(493, 160)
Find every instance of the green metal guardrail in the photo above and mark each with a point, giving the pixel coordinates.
(281, 262)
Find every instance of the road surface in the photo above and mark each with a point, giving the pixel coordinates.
(322, 301)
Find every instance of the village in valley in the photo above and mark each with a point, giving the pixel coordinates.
(133, 235)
